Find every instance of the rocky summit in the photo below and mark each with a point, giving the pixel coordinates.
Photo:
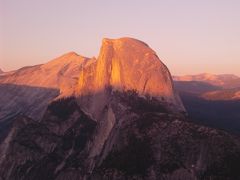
(115, 117)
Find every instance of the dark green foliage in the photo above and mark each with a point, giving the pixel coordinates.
(135, 158)
(45, 168)
(146, 121)
(63, 108)
(226, 162)
(84, 132)
(141, 104)
(27, 136)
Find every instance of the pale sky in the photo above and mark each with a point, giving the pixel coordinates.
(189, 36)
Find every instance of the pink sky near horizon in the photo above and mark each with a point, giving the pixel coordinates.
(189, 36)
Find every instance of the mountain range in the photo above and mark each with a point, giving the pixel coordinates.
(226, 81)
(117, 116)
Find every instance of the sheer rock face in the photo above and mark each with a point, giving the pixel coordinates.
(125, 64)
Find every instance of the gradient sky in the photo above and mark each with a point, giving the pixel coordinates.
(190, 36)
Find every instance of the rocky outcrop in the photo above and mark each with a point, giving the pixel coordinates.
(126, 64)
(123, 65)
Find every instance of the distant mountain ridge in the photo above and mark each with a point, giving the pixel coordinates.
(226, 94)
(223, 80)
(210, 86)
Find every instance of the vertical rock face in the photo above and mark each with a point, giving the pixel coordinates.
(129, 64)
(126, 64)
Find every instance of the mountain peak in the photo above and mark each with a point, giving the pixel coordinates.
(71, 53)
(124, 40)
(65, 59)
(128, 64)
(125, 45)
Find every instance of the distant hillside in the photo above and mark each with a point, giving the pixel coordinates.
(223, 80)
(226, 94)
(195, 87)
